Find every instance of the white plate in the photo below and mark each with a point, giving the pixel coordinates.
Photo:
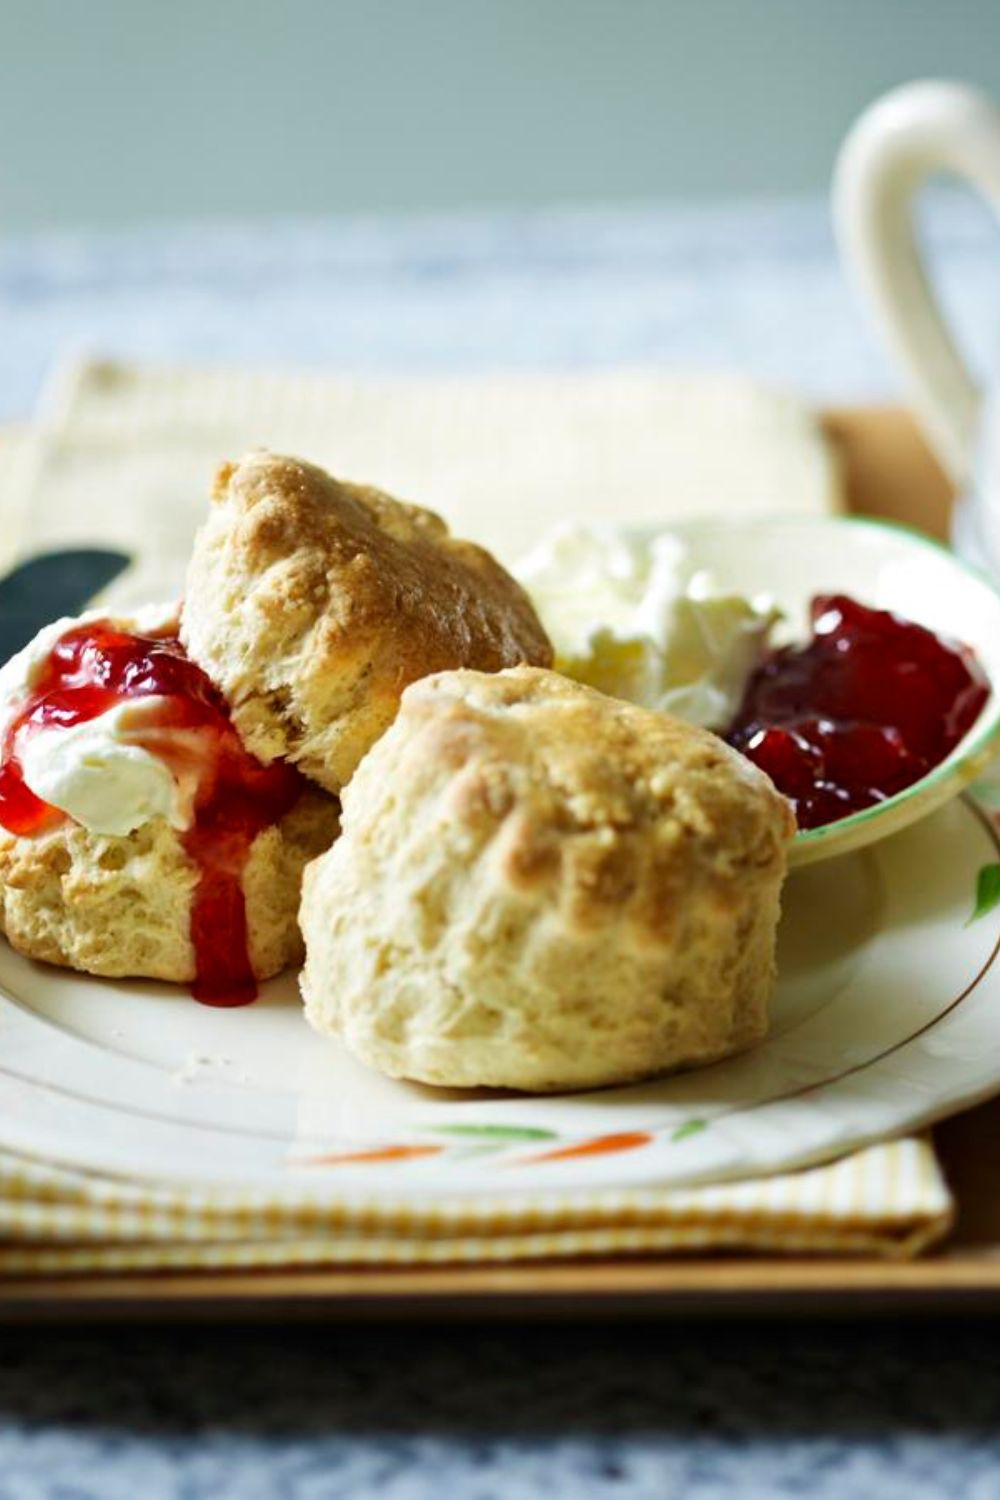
(887, 1016)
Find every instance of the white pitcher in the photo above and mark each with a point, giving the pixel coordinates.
(896, 144)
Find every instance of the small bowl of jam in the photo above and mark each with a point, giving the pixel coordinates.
(876, 703)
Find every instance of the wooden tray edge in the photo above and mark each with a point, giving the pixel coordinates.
(614, 1288)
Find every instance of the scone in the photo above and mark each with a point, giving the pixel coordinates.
(137, 835)
(538, 887)
(122, 906)
(312, 603)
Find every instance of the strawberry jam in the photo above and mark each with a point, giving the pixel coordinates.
(95, 667)
(868, 707)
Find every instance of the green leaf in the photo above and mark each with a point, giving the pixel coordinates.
(497, 1132)
(689, 1128)
(987, 892)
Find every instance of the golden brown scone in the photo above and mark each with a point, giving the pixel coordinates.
(121, 906)
(312, 603)
(539, 887)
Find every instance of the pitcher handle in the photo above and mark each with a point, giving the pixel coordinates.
(888, 154)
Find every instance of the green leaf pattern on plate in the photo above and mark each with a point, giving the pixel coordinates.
(481, 1140)
(987, 892)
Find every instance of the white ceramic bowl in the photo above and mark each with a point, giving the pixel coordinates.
(885, 565)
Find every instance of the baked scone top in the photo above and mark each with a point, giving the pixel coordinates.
(608, 810)
(312, 603)
(540, 887)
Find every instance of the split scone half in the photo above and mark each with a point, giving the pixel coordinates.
(137, 835)
(539, 887)
(312, 603)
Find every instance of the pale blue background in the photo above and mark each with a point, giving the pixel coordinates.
(118, 110)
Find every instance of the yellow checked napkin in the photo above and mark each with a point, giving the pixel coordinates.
(889, 1200)
(124, 456)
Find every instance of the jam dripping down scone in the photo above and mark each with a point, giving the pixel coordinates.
(539, 887)
(137, 835)
(312, 603)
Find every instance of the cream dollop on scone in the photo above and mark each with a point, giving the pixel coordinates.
(313, 602)
(539, 887)
(137, 836)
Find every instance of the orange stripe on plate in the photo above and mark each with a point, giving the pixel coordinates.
(598, 1145)
(381, 1153)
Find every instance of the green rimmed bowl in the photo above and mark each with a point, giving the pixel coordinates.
(792, 558)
